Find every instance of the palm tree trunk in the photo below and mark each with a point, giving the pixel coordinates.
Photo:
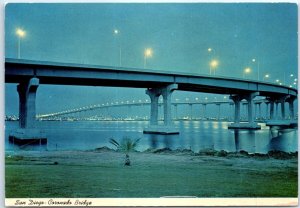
(127, 161)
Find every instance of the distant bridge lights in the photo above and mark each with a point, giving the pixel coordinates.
(21, 34)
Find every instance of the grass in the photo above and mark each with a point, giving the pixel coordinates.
(103, 175)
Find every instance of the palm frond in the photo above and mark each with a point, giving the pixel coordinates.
(114, 142)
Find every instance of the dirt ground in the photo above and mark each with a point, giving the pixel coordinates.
(102, 173)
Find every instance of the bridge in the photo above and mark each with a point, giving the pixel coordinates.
(30, 74)
(94, 109)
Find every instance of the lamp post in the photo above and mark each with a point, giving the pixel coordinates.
(212, 66)
(254, 60)
(147, 54)
(21, 34)
(266, 77)
(246, 71)
(117, 35)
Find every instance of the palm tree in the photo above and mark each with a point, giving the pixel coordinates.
(126, 146)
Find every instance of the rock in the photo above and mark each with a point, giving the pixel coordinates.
(55, 163)
(222, 153)
(243, 152)
(210, 152)
(104, 149)
(277, 154)
(163, 150)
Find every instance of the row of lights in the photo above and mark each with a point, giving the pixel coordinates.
(148, 53)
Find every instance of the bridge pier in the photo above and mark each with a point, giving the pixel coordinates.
(290, 101)
(27, 132)
(154, 94)
(219, 111)
(191, 112)
(274, 120)
(204, 111)
(251, 124)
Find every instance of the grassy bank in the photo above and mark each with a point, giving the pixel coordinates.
(102, 174)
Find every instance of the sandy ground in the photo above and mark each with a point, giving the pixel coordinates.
(102, 173)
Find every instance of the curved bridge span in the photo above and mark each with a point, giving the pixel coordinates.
(29, 74)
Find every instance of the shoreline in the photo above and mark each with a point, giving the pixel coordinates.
(101, 173)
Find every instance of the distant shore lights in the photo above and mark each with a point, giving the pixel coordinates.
(21, 34)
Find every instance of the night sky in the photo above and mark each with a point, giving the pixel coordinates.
(179, 35)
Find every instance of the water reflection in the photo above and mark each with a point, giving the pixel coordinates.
(194, 135)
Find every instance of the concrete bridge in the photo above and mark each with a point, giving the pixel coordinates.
(29, 74)
(189, 104)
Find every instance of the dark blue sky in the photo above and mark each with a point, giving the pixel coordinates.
(179, 35)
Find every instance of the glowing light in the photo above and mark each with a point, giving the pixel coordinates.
(247, 70)
(214, 63)
(148, 52)
(209, 49)
(253, 60)
(267, 76)
(277, 80)
(291, 75)
(116, 31)
(20, 33)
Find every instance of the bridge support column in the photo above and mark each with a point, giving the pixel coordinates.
(191, 112)
(154, 94)
(237, 124)
(204, 111)
(267, 110)
(219, 111)
(274, 121)
(291, 100)
(27, 132)
(259, 111)
(175, 108)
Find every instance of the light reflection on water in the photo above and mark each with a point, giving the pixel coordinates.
(194, 135)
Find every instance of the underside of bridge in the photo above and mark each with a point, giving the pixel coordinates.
(30, 75)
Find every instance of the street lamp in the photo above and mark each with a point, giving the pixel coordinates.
(213, 65)
(21, 34)
(254, 60)
(246, 71)
(266, 77)
(117, 34)
(147, 54)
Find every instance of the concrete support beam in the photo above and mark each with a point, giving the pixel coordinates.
(204, 111)
(237, 105)
(27, 132)
(191, 111)
(176, 116)
(154, 94)
(259, 110)
(219, 111)
(27, 97)
(290, 99)
(237, 99)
